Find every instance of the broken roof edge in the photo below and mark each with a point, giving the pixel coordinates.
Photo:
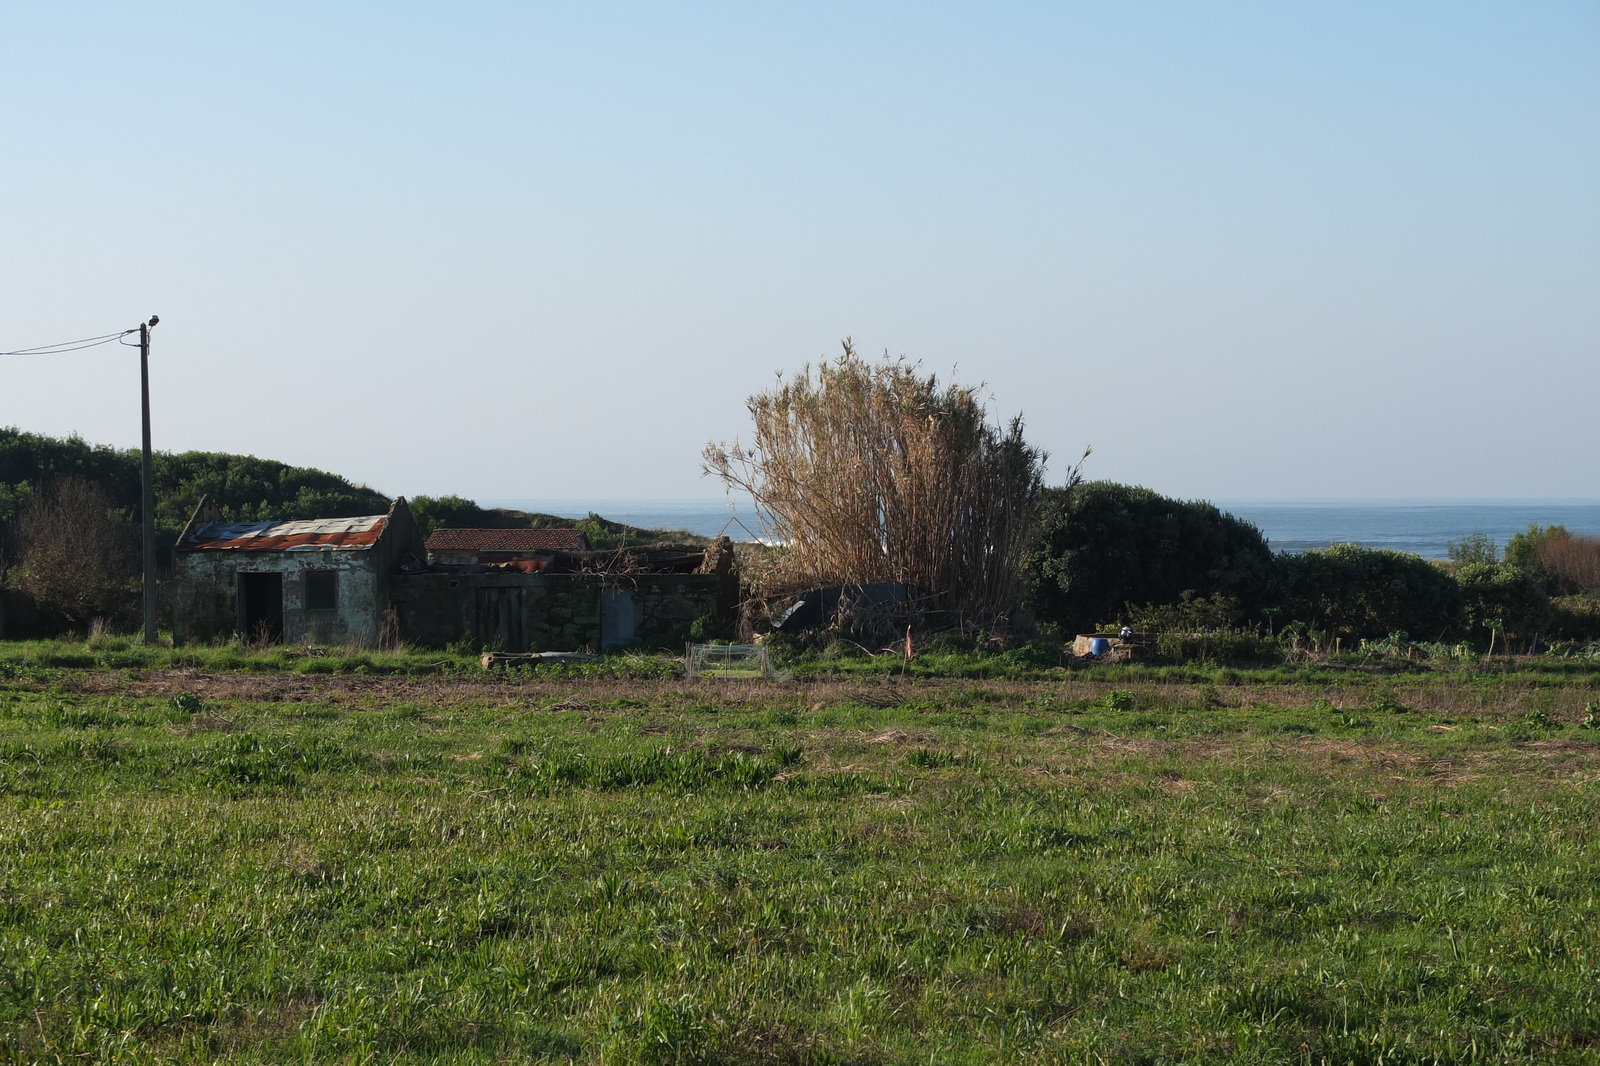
(205, 513)
(401, 526)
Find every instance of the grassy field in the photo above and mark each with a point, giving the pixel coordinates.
(207, 860)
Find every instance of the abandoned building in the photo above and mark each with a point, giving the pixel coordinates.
(596, 600)
(532, 549)
(325, 581)
(364, 580)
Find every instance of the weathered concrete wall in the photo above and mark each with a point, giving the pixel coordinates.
(205, 584)
(509, 611)
(402, 542)
(546, 612)
(205, 595)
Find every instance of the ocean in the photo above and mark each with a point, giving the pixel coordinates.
(1425, 527)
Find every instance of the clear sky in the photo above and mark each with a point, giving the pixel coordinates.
(1256, 250)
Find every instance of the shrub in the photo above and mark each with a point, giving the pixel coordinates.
(708, 627)
(77, 553)
(1523, 548)
(1575, 617)
(437, 512)
(1101, 546)
(1473, 548)
(1572, 561)
(1222, 645)
(1190, 614)
(1509, 593)
(1368, 592)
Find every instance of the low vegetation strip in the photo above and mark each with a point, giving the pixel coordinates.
(266, 867)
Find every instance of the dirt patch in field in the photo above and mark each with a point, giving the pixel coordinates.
(1345, 756)
(1447, 773)
(891, 736)
(1447, 699)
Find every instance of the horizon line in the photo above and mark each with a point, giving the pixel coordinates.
(1426, 501)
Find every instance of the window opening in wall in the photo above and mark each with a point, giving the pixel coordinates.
(322, 590)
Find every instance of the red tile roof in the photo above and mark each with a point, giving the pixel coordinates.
(508, 540)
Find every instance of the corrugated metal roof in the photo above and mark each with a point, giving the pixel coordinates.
(323, 534)
(508, 540)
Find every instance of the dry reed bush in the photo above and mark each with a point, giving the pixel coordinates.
(1573, 559)
(874, 472)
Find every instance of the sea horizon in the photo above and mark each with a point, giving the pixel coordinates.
(1422, 525)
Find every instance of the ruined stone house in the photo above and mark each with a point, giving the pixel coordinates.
(360, 580)
(591, 600)
(326, 581)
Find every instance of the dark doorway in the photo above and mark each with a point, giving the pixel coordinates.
(261, 607)
(618, 622)
(502, 619)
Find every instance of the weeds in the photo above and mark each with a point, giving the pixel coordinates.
(682, 771)
(1122, 864)
(187, 703)
(927, 759)
(1117, 700)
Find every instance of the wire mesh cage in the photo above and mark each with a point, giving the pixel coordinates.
(727, 661)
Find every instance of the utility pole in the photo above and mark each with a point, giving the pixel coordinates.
(147, 484)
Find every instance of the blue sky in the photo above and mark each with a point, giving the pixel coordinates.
(1246, 250)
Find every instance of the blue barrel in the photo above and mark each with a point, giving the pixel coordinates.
(1099, 646)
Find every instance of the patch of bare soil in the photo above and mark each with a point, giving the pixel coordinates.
(891, 736)
(1554, 756)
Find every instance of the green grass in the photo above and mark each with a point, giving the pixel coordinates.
(199, 864)
(43, 659)
(130, 653)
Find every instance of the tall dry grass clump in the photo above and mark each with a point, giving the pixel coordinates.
(1573, 559)
(872, 471)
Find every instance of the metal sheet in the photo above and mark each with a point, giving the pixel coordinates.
(326, 534)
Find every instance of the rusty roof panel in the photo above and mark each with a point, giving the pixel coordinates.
(508, 540)
(324, 534)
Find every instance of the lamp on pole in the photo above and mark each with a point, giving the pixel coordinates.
(147, 495)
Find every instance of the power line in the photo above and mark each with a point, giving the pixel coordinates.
(68, 346)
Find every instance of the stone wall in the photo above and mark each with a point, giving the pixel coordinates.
(666, 605)
(551, 612)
